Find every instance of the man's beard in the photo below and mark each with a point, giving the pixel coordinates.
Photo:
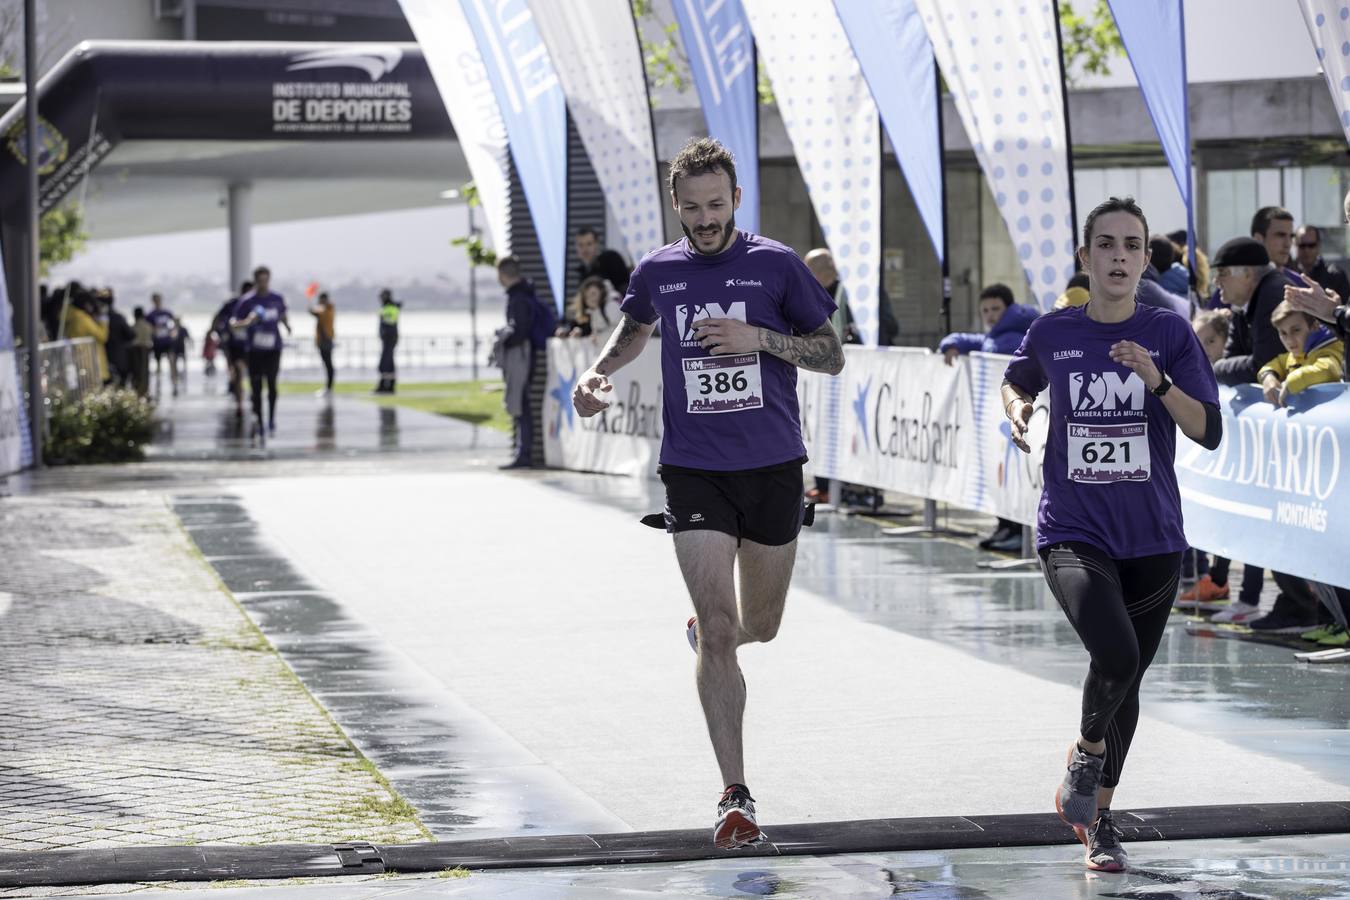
(726, 237)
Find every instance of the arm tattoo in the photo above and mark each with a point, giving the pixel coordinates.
(628, 331)
(819, 351)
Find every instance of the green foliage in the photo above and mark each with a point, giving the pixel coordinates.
(107, 426)
(666, 63)
(479, 255)
(61, 236)
(1089, 41)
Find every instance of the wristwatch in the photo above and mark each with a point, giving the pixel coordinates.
(1163, 387)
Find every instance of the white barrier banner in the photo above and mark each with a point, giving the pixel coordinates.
(907, 422)
(11, 415)
(624, 439)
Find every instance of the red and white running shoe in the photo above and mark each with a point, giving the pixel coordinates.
(736, 826)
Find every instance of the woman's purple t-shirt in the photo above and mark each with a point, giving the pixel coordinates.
(727, 413)
(265, 333)
(1110, 479)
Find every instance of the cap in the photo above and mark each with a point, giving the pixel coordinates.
(1241, 251)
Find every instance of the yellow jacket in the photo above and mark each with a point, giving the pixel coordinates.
(1321, 362)
(80, 324)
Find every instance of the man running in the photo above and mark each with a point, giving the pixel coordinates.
(166, 330)
(261, 312)
(739, 313)
(1110, 534)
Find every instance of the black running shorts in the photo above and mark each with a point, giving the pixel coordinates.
(761, 505)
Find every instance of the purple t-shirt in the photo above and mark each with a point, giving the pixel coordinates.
(161, 320)
(265, 333)
(733, 412)
(1110, 479)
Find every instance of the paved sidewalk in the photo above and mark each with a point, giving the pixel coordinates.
(143, 707)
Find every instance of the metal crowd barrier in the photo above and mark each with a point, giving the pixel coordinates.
(69, 368)
(413, 352)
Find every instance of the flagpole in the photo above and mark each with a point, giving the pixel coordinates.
(1068, 133)
(942, 188)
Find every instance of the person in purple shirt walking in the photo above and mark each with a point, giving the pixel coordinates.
(165, 326)
(739, 315)
(1123, 377)
(262, 313)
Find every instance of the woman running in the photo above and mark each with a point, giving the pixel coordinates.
(1122, 378)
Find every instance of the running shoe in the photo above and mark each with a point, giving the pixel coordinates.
(1336, 637)
(736, 826)
(1317, 633)
(1104, 851)
(1238, 613)
(1000, 534)
(1279, 621)
(691, 632)
(1012, 543)
(1205, 591)
(1076, 798)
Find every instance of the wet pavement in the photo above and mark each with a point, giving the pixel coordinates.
(509, 650)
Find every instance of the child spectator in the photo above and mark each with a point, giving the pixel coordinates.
(1211, 327)
(1315, 355)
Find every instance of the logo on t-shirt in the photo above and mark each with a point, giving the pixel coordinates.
(686, 314)
(672, 288)
(1068, 354)
(1100, 392)
(743, 282)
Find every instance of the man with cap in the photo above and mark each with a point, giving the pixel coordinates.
(1253, 287)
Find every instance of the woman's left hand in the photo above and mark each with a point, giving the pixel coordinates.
(1138, 360)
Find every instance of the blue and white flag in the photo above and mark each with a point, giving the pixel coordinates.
(832, 123)
(535, 112)
(721, 50)
(1001, 63)
(595, 51)
(896, 57)
(462, 80)
(1154, 35)
(1329, 25)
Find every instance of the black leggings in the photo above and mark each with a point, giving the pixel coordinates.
(326, 354)
(264, 364)
(1119, 607)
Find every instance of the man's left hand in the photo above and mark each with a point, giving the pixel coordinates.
(1138, 360)
(721, 337)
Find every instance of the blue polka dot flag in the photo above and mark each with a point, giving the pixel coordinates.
(1329, 26)
(595, 51)
(1001, 63)
(835, 134)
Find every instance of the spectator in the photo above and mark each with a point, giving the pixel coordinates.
(325, 330)
(120, 338)
(589, 312)
(164, 323)
(1006, 323)
(608, 264)
(1075, 292)
(1316, 302)
(1315, 356)
(1273, 226)
(1178, 239)
(389, 312)
(142, 345)
(1313, 266)
(1151, 291)
(1211, 327)
(80, 320)
(821, 263)
(513, 351)
(1253, 287)
(1172, 275)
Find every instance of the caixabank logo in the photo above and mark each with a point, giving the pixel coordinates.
(52, 145)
